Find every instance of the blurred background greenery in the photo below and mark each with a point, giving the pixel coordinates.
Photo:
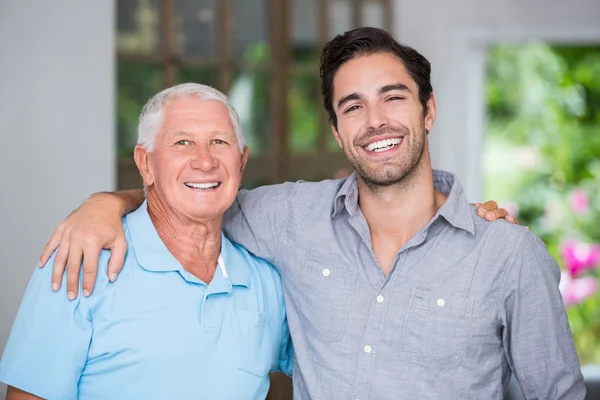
(542, 162)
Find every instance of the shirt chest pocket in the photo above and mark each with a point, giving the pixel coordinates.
(253, 341)
(436, 330)
(325, 293)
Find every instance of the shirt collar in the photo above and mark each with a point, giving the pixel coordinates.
(456, 209)
(347, 196)
(152, 254)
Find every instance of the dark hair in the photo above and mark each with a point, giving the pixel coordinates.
(367, 41)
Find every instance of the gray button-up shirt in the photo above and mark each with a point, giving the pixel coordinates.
(466, 303)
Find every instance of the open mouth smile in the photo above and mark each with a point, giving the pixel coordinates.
(383, 145)
(203, 186)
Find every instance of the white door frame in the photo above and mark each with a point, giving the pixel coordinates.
(471, 45)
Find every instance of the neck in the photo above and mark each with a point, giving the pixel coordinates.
(399, 211)
(194, 243)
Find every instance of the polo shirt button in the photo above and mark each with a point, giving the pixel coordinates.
(441, 302)
(367, 349)
(380, 299)
(326, 272)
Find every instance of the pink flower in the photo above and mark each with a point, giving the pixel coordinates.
(579, 257)
(579, 201)
(576, 290)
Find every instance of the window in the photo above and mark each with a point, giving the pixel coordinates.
(263, 53)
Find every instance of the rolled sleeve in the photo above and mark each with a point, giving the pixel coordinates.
(48, 345)
(537, 338)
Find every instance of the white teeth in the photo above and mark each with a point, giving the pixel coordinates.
(209, 185)
(383, 145)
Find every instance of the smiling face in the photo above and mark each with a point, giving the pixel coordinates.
(196, 166)
(380, 121)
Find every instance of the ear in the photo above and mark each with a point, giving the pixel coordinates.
(143, 160)
(430, 116)
(244, 160)
(336, 135)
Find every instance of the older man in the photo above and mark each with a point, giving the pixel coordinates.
(192, 315)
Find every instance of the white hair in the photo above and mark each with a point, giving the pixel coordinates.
(152, 114)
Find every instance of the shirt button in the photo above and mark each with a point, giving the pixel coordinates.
(367, 349)
(326, 272)
(441, 302)
(380, 299)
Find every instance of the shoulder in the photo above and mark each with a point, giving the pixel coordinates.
(291, 190)
(498, 231)
(519, 247)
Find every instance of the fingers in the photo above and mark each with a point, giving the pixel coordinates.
(91, 253)
(495, 214)
(490, 211)
(73, 270)
(489, 205)
(117, 257)
(60, 260)
(513, 220)
(51, 246)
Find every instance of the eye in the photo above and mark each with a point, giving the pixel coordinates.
(352, 108)
(218, 141)
(183, 142)
(395, 98)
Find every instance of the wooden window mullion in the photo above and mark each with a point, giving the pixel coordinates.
(168, 36)
(225, 44)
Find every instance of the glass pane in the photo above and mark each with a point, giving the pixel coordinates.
(373, 14)
(340, 16)
(305, 29)
(138, 27)
(303, 113)
(205, 76)
(197, 28)
(250, 25)
(136, 83)
(249, 94)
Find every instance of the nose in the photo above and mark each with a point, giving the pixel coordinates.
(377, 118)
(203, 159)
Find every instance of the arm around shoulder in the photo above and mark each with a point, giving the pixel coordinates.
(94, 226)
(258, 218)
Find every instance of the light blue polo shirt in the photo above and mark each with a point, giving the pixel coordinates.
(158, 332)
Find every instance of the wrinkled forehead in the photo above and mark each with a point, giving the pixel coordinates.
(194, 115)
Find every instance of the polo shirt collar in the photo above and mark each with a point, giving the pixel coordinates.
(152, 254)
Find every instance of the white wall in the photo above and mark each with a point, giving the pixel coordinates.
(57, 140)
(453, 35)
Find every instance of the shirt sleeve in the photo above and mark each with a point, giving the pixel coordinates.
(48, 345)
(536, 337)
(258, 217)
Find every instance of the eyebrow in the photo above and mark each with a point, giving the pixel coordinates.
(345, 99)
(396, 86)
(384, 89)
